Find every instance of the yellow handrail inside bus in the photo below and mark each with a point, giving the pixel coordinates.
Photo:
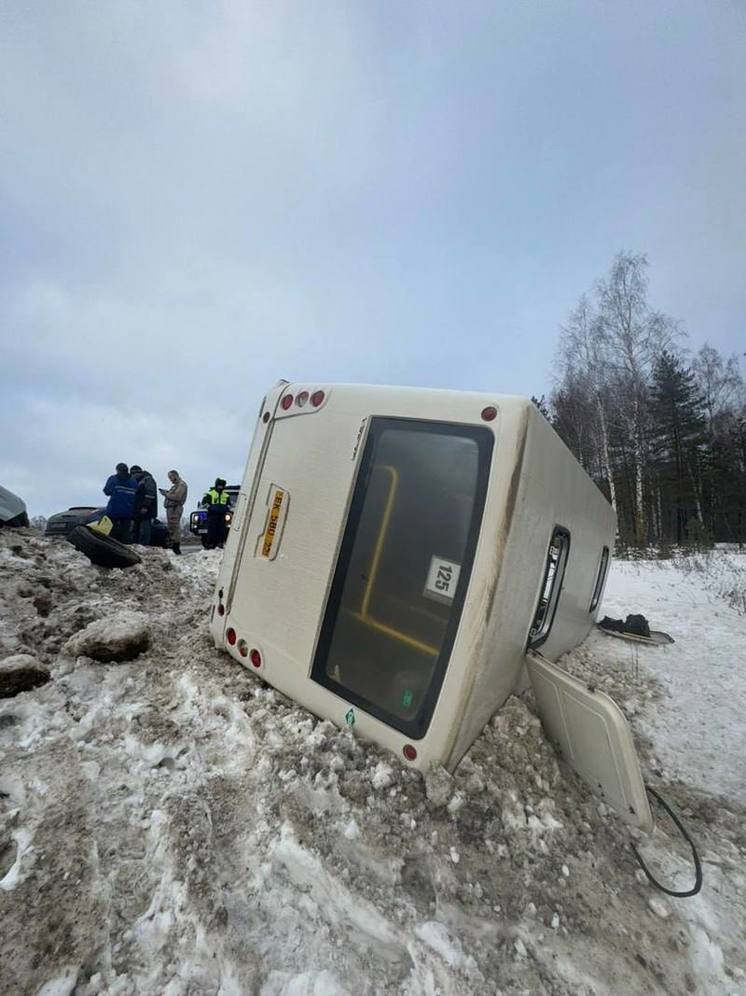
(364, 615)
(381, 539)
(396, 634)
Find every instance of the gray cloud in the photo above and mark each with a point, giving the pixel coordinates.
(196, 200)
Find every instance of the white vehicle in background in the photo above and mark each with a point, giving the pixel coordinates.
(12, 510)
(394, 555)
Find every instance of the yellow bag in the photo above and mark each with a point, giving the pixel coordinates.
(104, 525)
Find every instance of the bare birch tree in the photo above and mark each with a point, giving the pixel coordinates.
(582, 356)
(718, 379)
(664, 439)
(633, 336)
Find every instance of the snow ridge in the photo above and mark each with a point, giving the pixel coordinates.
(169, 824)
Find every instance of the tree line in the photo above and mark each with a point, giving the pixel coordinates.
(660, 429)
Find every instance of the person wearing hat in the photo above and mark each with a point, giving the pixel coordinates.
(174, 499)
(121, 488)
(217, 503)
(146, 504)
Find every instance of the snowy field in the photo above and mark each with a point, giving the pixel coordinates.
(170, 825)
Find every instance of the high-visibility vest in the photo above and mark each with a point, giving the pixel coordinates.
(217, 497)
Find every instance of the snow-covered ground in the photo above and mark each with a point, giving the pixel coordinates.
(698, 728)
(171, 825)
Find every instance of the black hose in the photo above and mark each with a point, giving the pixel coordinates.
(682, 830)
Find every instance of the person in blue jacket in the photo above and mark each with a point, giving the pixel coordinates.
(121, 488)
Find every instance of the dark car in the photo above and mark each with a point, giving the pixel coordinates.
(12, 510)
(63, 523)
(198, 518)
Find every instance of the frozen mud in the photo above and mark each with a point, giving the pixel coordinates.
(169, 824)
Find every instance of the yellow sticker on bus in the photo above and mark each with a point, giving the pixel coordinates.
(273, 522)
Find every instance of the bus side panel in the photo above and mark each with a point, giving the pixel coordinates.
(553, 490)
(579, 506)
(234, 543)
(506, 590)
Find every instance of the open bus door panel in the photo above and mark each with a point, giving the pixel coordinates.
(592, 735)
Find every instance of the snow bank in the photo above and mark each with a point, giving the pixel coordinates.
(20, 673)
(121, 636)
(172, 825)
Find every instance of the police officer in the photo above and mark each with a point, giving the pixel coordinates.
(217, 502)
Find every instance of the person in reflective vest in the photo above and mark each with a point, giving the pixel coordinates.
(217, 503)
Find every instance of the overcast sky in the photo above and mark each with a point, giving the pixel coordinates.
(199, 198)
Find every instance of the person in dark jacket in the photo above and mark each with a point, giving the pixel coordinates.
(146, 504)
(217, 503)
(121, 489)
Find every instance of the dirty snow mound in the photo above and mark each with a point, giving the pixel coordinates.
(19, 673)
(119, 637)
(173, 825)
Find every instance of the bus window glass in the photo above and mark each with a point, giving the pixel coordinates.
(554, 572)
(600, 578)
(403, 568)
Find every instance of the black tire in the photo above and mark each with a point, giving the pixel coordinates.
(102, 550)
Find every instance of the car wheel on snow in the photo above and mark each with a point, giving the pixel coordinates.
(101, 549)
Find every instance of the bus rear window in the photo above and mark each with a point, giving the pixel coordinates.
(403, 568)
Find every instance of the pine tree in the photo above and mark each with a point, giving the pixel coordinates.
(725, 476)
(677, 423)
(542, 405)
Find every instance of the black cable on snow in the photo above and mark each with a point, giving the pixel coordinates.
(682, 830)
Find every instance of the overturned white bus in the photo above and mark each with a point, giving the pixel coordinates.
(395, 551)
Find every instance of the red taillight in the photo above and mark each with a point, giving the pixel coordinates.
(256, 658)
(409, 752)
(316, 398)
(489, 413)
(230, 635)
(221, 609)
(286, 402)
(243, 648)
(301, 399)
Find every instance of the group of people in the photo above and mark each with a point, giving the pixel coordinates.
(133, 504)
